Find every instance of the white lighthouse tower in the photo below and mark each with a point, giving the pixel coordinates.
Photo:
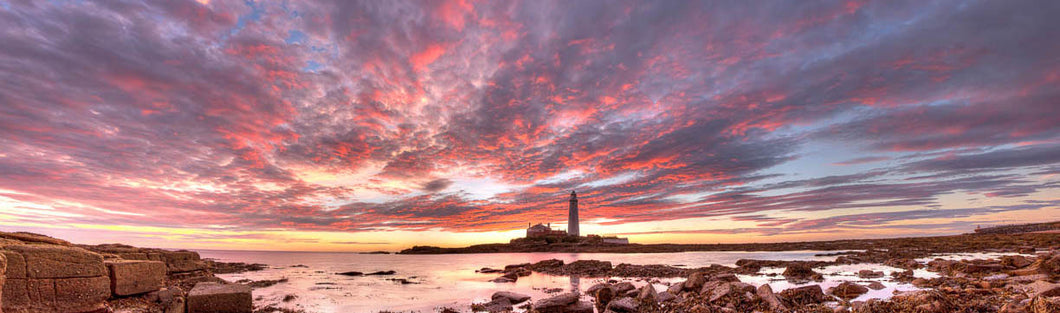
(572, 218)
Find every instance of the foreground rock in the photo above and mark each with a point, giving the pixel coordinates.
(46, 277)
(563, 303)
(131, 277)
(220, 298)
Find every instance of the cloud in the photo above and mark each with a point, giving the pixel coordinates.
(437, 185)
(179, 112)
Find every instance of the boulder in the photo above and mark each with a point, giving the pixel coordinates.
(647, 292)
(579, 307)
(604, 296)
(623, 305)
(848, 290)
(799, 272)
(665, 296)
(623, 287)
(1050, 265)
(498, 305)
(220, 298)
(695, 281)
(1041, 304)
(1015, 261)
(869, 274)
(511, 296)
(554, 304)
(876, 285)
(1041, 287)
(927, 301)
(177, 306)
(726, 277)
(902, 263)
(130, 277)
(676, 288)
(592, 289)
(766, 294)
(805, 295)
(731, 291)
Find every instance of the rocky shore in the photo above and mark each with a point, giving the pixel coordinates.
(1023, 279)
(44, 274)
(40, 274)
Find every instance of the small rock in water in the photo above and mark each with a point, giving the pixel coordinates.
(870, 274)
(876, 285)
(511, 296)
(848, 290)
(497, 305)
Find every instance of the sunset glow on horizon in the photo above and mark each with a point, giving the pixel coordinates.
(379, 125)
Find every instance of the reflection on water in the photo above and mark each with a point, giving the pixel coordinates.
(451, 281)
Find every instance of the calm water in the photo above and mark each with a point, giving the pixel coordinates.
(451, 280)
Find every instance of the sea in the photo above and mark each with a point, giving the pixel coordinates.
(433, 282)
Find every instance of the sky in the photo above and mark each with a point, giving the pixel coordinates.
(378, 125)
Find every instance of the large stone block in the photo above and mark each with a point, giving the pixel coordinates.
(180, 255)
(55, 295)
(219, 298)
(182, 261)
(128, 277)
(59, 261)
(81, 294)
(16, 265)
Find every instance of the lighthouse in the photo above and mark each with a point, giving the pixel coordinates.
(572, 218)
